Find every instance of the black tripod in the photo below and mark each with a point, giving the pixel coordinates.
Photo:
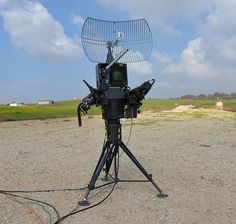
(109, 154)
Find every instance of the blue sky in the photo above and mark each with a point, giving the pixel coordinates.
(41, 56)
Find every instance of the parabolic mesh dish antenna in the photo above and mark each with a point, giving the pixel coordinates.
(105, 40)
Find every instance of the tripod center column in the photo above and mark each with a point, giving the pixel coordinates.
(113, 130)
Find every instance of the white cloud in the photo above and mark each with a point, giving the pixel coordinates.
(171, 85)
(211, 55)
(219, 33)
(215, 52)
(162, 14)
(2, 2)
(32, 29)
(209, 58)
(143, 68)
(77, 20)
(162, 58)
(195, 63)
(192, 62)
(162, 8)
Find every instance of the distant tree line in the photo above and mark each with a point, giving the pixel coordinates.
(216, 95)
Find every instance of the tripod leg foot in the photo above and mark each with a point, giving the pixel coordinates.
(84, 203)
(162, 195)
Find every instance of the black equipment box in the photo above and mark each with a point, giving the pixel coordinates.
(116, 76)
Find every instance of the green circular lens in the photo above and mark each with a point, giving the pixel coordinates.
(117, 76)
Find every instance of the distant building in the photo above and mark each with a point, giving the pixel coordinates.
(45, 102)
(76, 98)
(13, 104)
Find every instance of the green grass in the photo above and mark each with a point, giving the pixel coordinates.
(69, 108)
(167, 104)
(56, 110)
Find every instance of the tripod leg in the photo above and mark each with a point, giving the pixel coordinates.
(141, 168)
(96, 173)
(104, 148)
(109, 161)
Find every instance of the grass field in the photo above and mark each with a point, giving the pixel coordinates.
(69, 108)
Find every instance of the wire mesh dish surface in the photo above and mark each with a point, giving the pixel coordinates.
(134, 35)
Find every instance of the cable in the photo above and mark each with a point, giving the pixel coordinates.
(95, 193)
(10, 193)
(104, 185)
(31, 211)
(34, 200)
(38, 202)
(130, 131)
(45, 191)
(7, 192)
(92, 196)
(84, 209)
